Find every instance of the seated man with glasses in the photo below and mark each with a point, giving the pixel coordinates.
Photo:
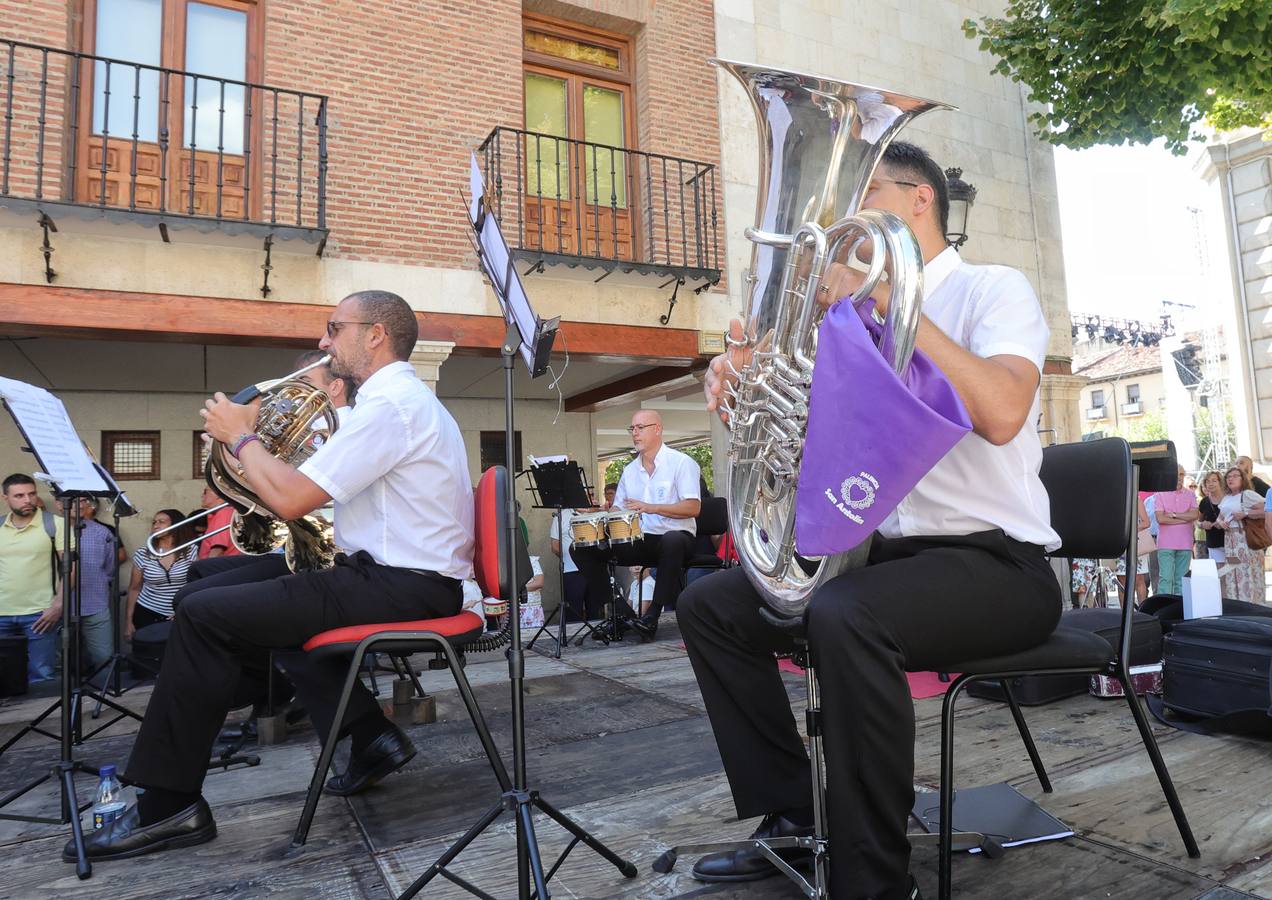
(662, 485)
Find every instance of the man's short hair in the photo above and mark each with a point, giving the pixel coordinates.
(18, 478)
(913, 163)
(395, 314)
(612, 486)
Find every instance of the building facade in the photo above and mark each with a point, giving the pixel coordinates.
(189, 185)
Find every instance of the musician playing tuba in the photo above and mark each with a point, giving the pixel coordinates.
(957, 572)
(397, 473)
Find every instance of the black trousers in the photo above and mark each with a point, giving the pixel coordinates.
(668, 552)
(582, 604)
(268, 565)
(215, 659)
(920, 604)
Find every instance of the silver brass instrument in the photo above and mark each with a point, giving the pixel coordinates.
(294, 420)
(820, 141)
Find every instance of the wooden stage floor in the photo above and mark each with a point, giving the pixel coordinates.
(619, 740)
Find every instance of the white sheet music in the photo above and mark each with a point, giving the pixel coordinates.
(48, 428)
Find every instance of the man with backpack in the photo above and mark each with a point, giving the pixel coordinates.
(30, 604)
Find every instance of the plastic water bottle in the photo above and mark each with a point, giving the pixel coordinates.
(110, 803)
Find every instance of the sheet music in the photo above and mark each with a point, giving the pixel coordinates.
(554, 458)
(48, 428)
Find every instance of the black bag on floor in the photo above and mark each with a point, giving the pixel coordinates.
(1219, 669)
(13, 666)
(1034, 690)
(1169, 609)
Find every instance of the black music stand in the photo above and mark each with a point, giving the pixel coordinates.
(51, 438)
(532, 338)
(559, 486)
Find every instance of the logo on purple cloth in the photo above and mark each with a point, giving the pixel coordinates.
(855, 492)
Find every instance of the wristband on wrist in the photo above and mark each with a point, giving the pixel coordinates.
(243, 440)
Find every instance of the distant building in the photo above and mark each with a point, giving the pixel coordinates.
(1122, 384)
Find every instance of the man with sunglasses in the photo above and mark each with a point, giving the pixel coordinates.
(397, 472)
(662, 485)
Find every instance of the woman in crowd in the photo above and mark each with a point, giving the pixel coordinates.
(1239, 503)
(1176, 511)
(1212, 493)
(156, 579)
(1144, 549)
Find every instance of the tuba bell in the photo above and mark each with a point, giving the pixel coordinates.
(294, 420)
(820, 141)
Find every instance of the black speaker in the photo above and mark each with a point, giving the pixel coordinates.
(1158, 469)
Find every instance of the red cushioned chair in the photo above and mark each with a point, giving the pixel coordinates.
(449, 636)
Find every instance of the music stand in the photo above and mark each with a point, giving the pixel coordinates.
(51, 438)
(559, 486)
(531, 337)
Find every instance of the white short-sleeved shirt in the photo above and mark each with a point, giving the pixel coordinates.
(555, 534)
(991, 311)
(675, 477)
(398, 473)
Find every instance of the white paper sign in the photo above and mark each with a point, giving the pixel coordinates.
(48, 428)
(1202, 596)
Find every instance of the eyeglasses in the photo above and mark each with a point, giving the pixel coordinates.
(333, 328)
(874, 185)
(637, 429)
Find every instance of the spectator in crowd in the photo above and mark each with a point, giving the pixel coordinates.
(1144, 554)
(1208, 508)
(30, 605)
(156, 578)
(215, 544)
(1257, 484)
(1149, 502)
(579, 604)
(1176, 511)
(611, 491)
(96, 558)
(1240, 502)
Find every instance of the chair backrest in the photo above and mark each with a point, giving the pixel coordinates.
(1093, 506)
(490, 558)
(713, 518)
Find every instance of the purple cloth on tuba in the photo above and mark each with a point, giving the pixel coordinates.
(871, 437)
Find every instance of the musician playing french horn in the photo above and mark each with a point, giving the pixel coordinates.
(397, 473)
(957, 571)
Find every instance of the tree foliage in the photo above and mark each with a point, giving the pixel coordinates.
(1113, 71)
(699, 453)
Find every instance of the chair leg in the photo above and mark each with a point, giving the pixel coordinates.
(1159, 764)
(1026, 736)
(324, 759)
(946, 846)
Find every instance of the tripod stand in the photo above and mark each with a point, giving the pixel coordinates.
(559, 486)
(530, 336)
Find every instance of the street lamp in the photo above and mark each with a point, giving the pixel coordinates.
(962, 196)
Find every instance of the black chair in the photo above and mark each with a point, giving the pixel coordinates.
(1093, 489)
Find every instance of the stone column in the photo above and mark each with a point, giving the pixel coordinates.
(427, 357)
(1059, 400)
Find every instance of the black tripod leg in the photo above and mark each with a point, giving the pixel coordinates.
(455, 849)
(70, 809)
(628, 869)
(526, 814)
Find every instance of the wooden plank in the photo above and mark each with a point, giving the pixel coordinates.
(48, 311)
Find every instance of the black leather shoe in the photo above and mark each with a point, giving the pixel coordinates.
(607, 634)
(752, 865)
(386, 754)
(126, 837)
(646, 628)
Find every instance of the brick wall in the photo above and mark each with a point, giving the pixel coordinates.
(413, 88)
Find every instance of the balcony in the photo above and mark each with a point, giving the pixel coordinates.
(1133, 409)
(1096, 413)
(92, 139)
(566, 205)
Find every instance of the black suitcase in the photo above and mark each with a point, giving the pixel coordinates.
(1035, 690)
(1219, 666)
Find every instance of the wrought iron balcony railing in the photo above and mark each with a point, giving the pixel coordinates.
(160, 145)
(565, 202)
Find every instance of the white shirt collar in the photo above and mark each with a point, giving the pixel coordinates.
(661, 456)
(379, 380)
(940, 268)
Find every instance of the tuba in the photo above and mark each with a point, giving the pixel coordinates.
(820, 141)
(294, 420)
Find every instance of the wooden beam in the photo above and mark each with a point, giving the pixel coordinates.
(34, 310)
(652, 383)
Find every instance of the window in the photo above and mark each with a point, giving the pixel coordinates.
(493, 445)
(1132, 393)
(131, 455)
(1097, 399)
(578, 89)
(201, 448)
(191, 132)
